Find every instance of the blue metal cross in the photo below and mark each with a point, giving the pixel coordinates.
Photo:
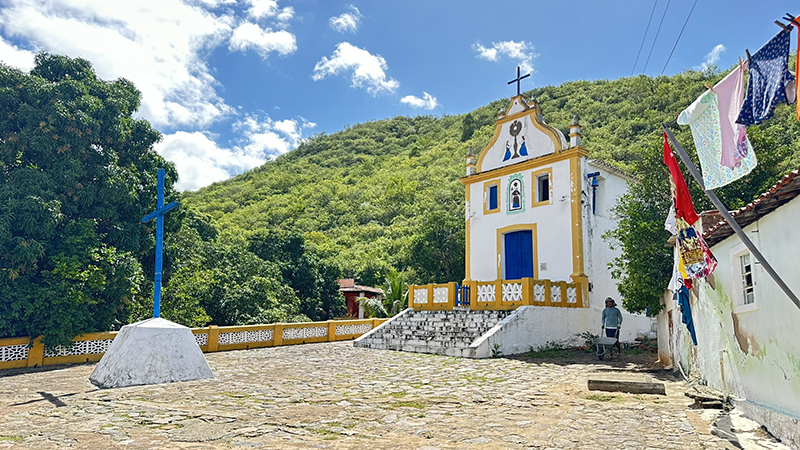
(518, 79)
(158, 214)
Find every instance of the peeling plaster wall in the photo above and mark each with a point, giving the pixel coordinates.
(598, 253)
(759, 350)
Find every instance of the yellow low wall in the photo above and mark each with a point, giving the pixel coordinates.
(18, 352)
(498, 295)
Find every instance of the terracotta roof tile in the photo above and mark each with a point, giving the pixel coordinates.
(786, 189)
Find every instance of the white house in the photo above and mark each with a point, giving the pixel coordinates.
(748, 343)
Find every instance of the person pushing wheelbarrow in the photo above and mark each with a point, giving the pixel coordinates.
(612, 320)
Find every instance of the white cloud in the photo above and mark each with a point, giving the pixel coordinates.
(162, 46)
(712, 57)
(521, 51)
(201, 161)
(428, 101)
(262, 9)
(368, 70)
(154, 43)
(348, 21)
(285, 15)
(250, 35)
(16, 57)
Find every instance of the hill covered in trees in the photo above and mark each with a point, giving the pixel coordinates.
(385, 194)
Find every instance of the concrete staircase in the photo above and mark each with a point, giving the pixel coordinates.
(441, 332)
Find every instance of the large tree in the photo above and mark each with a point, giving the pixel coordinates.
(77, 173)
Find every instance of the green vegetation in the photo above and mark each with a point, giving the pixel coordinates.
(550, 351)
(601, 397)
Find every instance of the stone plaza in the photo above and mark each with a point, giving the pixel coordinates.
(334, 395)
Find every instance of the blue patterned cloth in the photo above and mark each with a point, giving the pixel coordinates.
(769, 75)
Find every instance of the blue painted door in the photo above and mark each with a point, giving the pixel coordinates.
(518, 255)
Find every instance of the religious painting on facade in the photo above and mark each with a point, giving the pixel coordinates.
(516, 194)
(518, 149)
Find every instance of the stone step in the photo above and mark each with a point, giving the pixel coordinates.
(442, 332)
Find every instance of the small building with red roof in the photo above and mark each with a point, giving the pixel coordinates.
(352, 291)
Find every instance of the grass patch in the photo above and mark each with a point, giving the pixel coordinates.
(601, 397)
(12, 438)
(550, 351)
(411, 404)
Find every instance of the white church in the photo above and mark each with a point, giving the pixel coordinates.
(536, 209)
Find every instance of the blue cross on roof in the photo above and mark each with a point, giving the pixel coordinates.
(158, 214)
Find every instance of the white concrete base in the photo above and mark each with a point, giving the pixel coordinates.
(152, 351)
(535, 327)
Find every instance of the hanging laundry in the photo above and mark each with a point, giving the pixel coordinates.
(736, 149)
(678, 270)
(769, 76)
(722, 145)
(797, 67)
(695, 255)
(684, 208)
(697, 258)
(686, 312)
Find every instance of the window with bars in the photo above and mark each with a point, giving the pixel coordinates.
(743, 279)
(746, 271)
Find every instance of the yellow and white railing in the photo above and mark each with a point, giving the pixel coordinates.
(498, 295)
(18, 352)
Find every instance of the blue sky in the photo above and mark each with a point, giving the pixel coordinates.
(232, 83)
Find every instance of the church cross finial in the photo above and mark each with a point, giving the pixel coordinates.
(518, 79)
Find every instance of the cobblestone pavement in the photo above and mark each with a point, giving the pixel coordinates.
(337, 396)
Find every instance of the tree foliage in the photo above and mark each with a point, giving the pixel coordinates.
(313, 280)
(77, 173)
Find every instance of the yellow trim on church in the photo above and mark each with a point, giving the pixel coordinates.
(467, 213)
(535, 188)
(576, 199)
(537, 122)
(526, 165)
(486, 186)
(534, 242)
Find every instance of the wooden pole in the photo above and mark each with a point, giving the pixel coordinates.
(726, 215)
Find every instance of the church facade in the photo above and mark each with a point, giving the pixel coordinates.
(537, 266)
(537, 207)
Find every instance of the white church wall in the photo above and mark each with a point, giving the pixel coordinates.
(553, 222)
(598, 252)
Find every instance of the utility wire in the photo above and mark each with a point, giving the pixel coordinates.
(679, 37)
(643, 37)
(656, 38)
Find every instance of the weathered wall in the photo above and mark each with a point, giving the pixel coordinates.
(757, 348)
(534, 327)
(598, 253)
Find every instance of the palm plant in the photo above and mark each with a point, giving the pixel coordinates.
(396, 291)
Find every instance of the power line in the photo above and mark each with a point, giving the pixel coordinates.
(656, 38)
(643, 37)
(679, 37)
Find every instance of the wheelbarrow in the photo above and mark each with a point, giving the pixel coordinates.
(605, 345)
